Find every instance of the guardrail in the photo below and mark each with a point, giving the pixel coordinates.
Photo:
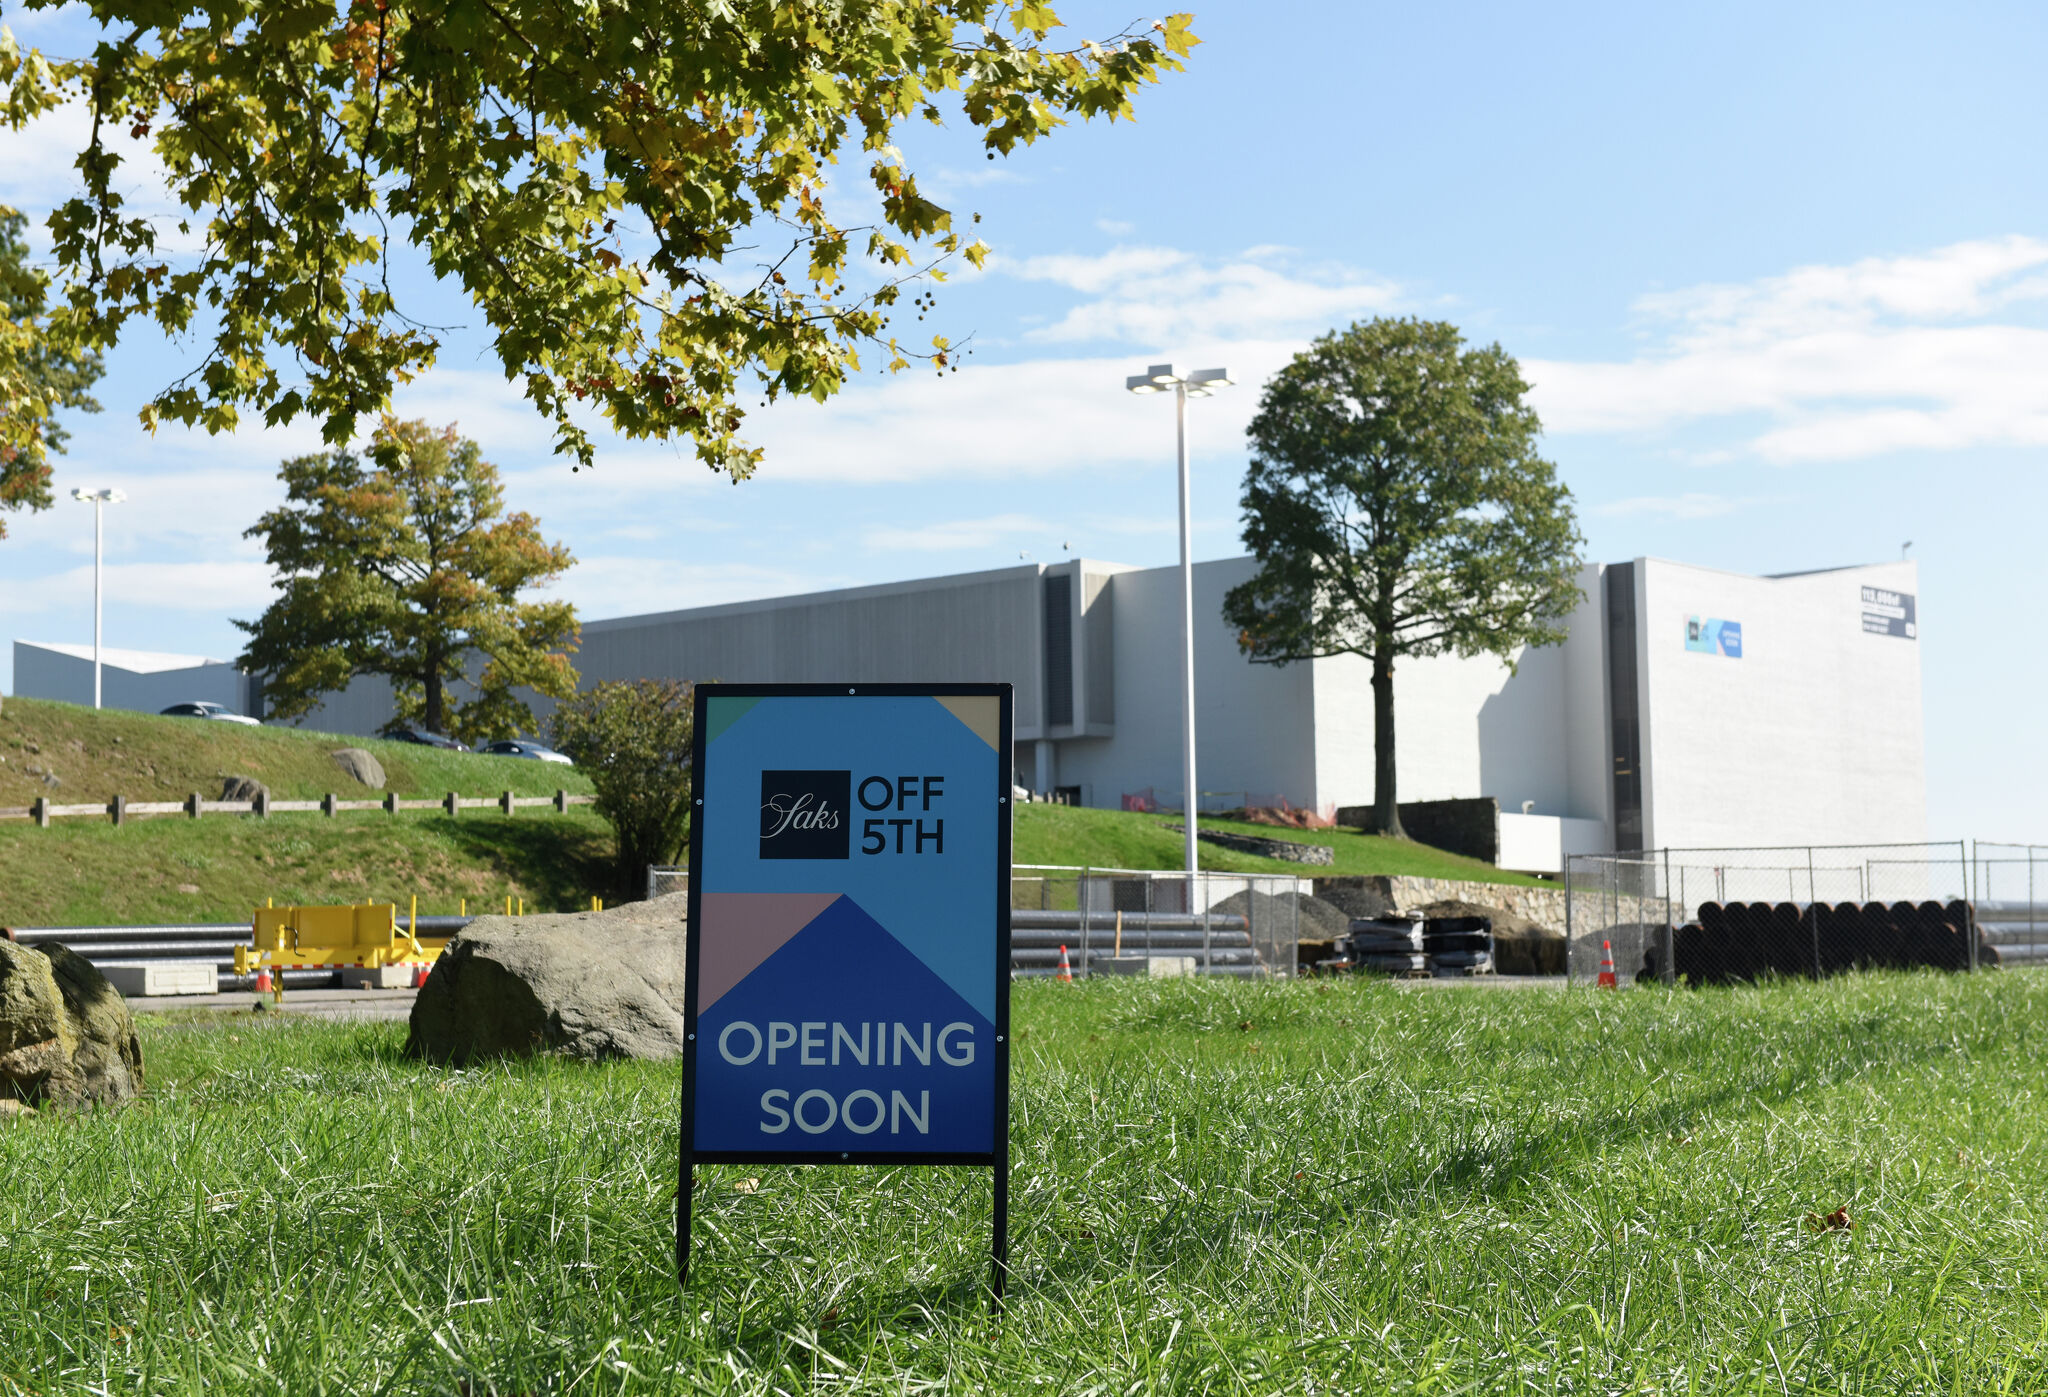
(120, 808)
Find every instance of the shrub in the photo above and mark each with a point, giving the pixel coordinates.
(632, 739)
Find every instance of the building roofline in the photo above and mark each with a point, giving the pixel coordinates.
(1020, 572)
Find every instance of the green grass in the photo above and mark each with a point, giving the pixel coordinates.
(82, 871)
(216, 869)
(96, 755)
(1063, 834)
(1309, 1187)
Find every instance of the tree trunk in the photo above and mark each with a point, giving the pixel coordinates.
(434, 717)
(1386, 806)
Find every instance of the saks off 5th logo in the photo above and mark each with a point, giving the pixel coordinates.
(808, 814)
(805, 815)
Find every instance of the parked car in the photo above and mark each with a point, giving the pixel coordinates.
(427, 739)
(520, 747)
(214, 711)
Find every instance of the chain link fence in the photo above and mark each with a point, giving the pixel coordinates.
(1714, 916)
(2010, 887)
(1111, 921)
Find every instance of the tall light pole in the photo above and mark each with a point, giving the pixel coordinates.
(1200, 384)
(99, 500)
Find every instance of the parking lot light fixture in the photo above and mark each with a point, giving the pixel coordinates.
(1200, 384)
(99, 500)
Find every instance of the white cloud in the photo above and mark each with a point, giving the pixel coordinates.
(239, 588)
(1116, 227)
(954, 534)
(1037, 418)
(39, 170)
(1163, 296)
(1692, 505)
(1841, 362)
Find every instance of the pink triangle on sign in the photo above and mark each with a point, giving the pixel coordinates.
(743, 929)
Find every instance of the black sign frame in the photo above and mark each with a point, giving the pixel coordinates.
(997, 1158)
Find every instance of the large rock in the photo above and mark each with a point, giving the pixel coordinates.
(362, 765)
(590, 985)
(66, 1036)
(242, 788)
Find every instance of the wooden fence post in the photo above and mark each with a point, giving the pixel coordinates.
(118, 808)
(192, 803)
(452, 804)
(327, 805)
(43, 811)
(262, 804)
(561, 802)
(391, 802)
(505, 802)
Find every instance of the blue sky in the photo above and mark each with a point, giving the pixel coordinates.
(1778, 276)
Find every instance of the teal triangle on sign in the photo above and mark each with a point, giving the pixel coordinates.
(723, 713)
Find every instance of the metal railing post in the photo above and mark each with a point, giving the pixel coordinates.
(1969, 913)
(1568, 900)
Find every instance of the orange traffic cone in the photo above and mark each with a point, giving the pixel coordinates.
(419, 976)
(1066, 968)
(1606, 980)
(263, 979)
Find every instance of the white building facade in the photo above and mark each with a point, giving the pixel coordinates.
(1687, 707)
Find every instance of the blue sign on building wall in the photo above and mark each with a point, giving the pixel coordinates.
(848, 980)
(1708, 636)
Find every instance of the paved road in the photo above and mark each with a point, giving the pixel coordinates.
(320, 1004)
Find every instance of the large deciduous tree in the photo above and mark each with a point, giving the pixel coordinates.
(406, 565)
(1397, 506)
(39, 374)
(632, 739)
(638, 195)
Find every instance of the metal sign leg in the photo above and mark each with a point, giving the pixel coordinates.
(686, 1184)
(999, 1243)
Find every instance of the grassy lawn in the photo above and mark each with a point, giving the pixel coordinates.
(1309, 1187)
(96, 755)
(217, 869)
(1061, 834)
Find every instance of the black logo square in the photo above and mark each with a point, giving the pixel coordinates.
(806, 814)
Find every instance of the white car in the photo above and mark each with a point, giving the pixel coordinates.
(213, 711)
(523, 748)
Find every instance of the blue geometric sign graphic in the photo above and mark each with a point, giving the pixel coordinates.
(1708, 636)
(848, 934)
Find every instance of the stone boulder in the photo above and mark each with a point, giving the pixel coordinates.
(66, 1036)
(589, 985)
(362, 765)
(242, 788)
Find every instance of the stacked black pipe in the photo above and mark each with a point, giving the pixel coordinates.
(1743, 941)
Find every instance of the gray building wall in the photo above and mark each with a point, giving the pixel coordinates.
(153, 684)
(1814, 735)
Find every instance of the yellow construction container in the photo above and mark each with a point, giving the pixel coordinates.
(334, 938)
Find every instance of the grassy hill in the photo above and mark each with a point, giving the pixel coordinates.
(1061, 834)
(216, 869)
(96, 754)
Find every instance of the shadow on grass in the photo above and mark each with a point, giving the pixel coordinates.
(565, 864)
